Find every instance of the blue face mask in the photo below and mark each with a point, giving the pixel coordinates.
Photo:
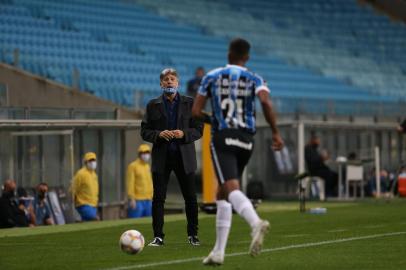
(169, 90)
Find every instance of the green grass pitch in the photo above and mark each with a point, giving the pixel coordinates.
(360, 235)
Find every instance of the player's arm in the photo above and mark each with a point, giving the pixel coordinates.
(197, 109)
(194, 130)
(270, 117)
(200, 101)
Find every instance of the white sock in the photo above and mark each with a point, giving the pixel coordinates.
(223, 224)
(243, 206)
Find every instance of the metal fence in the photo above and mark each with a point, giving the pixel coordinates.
(56, 113)
(339, 138)
(341, 108)
(32, 151)
(51, 151)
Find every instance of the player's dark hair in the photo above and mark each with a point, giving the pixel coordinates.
(239, 49)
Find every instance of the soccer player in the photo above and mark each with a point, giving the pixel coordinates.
(232, 90)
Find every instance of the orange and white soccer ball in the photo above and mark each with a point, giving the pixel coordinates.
(132, 242)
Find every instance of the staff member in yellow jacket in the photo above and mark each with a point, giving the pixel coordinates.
(85, 188)
(139, 184)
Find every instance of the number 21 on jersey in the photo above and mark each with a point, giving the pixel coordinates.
(233, 112)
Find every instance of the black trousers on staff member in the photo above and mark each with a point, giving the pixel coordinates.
(187, 185)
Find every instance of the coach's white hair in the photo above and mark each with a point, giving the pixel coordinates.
(167, 71)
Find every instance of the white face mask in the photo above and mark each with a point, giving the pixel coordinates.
(145, 157)
(92, 165)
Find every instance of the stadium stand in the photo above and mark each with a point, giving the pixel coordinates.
(337, 38)
(119, 48)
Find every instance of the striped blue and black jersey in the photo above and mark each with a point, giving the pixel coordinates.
(232, 90)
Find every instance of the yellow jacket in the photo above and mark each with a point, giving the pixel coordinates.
(139, 181)
(85, 187)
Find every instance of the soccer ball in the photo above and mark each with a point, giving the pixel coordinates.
(132, 242)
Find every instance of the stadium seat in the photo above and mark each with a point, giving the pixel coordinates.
(124, 45)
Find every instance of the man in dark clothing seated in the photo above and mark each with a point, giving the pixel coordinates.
(10, 213)
(316, 166)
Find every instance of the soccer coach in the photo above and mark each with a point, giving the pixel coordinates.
(168, 124)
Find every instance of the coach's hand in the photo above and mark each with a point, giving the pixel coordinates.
(178, 134)
(277, 142)
(167, 135)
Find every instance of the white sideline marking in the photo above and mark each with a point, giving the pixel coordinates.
(305, 245)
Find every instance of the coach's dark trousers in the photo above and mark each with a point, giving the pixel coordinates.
(187, 186)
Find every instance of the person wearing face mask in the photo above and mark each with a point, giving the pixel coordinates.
(139, 184)
(85, 188)
(168, 124)
(42, 210)
(10, 213)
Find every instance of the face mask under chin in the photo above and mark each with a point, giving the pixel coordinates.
(169, 90)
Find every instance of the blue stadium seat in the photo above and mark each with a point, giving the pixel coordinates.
(306, 51)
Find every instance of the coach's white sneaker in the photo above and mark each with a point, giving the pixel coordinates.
(258, 233)
(214, 258)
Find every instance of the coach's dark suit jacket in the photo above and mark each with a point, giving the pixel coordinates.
(155, 120)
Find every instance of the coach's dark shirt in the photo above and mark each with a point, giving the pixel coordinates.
(156, 120)
(172, 112)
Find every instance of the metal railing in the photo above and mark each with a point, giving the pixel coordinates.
(340, 108)
(56, 113)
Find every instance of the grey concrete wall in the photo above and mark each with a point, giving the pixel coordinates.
(28, 90)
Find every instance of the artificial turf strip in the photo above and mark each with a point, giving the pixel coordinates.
(95, 245)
